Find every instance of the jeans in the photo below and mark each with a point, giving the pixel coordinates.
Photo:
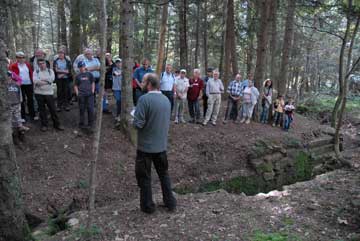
(179, 109)
(27, 92)
(86, 103)
(194, 109)
(143, 177)
(247, 109)
(117, 95)
(49, 101)
(277, 118)
(213, 108)
(264, 114)
(287, 121)
(170, 96)
(63, 92)
(231, 109)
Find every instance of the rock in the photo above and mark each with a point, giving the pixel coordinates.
(321, 141)
(268, 176)
(163, 225)
(73, 222)
(273, 157)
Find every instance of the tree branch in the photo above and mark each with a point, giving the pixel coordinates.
(320, 30)
(353, 68)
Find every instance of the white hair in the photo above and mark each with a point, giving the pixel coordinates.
(197, 71)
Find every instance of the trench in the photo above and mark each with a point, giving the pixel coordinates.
(271, 167)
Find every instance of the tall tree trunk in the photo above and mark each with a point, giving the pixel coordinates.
(75, 33)
(197, 34)
(287, 44)
(183, 34)
(102, 23)
(127, 33)
(340, 109)
(51, 27)
(262, 42)
(273, 41)
(161, 48)
(39, 26)
(250, 19)
(10, 40)
(205, 44)
(146, 32)
(62, 28)
(110, 12)
(33, 24)
(12, 219)
(230, 47)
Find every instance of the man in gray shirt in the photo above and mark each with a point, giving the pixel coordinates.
(152, 120)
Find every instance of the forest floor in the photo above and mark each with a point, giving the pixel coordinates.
(55, 168)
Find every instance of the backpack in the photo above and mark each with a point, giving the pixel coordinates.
(162, 75)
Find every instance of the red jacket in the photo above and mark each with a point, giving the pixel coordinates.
(15, 68)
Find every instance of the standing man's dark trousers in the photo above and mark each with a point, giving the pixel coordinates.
(138, 94)
(143, 177)
(231, 109)
(170, 96)
(205, 104)
(27, 92)
(86, 104)
(63, 92)
(47, 100)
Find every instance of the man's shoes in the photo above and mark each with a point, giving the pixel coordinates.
(43, 128)
(59, 128)
(243, 120)
(23, 128)
(224, 122)
(176, 121)
(204, 123)
(183, 121)
(192, 121)
(247, 121)
(213, 123)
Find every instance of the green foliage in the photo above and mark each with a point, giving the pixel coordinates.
(260, 236)
(57, 224)
(82, 184)
(86, 233)
(182, 190)
(303, 166)
(324, 104)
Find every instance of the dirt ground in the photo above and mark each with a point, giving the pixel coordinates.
(54, 167)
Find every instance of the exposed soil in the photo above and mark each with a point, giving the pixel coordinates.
(55, 168)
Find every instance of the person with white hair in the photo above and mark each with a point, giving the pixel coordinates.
(194, 94)
(180, 95)
(234, 91)
(250, 98)
(214, 89)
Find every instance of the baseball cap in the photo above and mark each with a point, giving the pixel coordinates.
(81, 64)
(183, 71)
(209, 69)
(20, 54)
(118, 60)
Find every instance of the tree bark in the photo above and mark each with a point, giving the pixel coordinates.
(75, 33)
(341, 102)
(262, 42)
(12, 219)
(127, 33)
(250, 41)
(197, 34)
(146, 32)
(102, 23)
(62, 28)
(39, 26)
(273, 42)
(51, 27)
(205, 44)
(287, 44)
(183, 34)
(230, 47)
(161, 48)
(110, 12)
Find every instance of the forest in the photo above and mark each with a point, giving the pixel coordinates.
(279, 159)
